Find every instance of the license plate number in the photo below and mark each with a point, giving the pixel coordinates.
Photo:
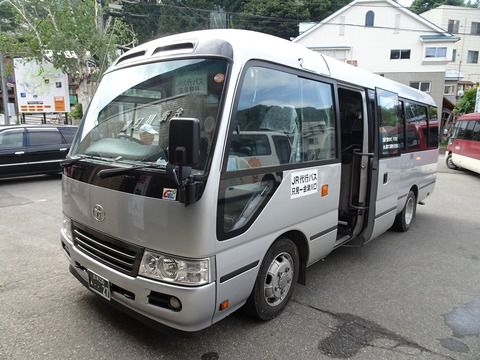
(99, 284)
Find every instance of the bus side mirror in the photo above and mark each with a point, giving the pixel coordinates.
(184, 141)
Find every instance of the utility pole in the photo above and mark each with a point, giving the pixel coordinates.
(3, 79)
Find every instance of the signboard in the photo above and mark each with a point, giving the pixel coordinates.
(40, 87)
(477, 101)
(190, 83)
(303, 183)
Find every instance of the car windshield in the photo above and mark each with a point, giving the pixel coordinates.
(128, 118)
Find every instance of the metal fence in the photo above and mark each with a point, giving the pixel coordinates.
(53, 119)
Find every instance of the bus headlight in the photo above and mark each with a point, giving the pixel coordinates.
(175, 270)
(67, 227)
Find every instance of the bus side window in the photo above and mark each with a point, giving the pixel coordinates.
(401, 132)
(278, 104)
(460, 132)
(469, 130)
(433, 128)
(476, 131)
(390, 129)
(417, 126)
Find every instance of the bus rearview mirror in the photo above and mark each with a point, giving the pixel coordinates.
(184, 141)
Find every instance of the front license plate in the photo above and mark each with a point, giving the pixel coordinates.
(99, 284)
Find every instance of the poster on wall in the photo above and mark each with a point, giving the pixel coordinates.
(40, 87)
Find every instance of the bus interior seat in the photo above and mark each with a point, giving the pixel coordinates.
(281, 119)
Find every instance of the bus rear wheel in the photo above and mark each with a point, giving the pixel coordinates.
(450, 163)
(275, 282)
(404, 220)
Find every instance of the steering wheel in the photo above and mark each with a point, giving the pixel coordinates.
(129, 138)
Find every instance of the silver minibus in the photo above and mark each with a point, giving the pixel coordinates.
(263, 157)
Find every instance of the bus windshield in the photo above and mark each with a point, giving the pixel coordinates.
(128, 118)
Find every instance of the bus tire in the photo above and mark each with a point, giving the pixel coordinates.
(450, 163)
(404, 220)
(275, 281)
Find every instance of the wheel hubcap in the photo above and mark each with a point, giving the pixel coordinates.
(409, 209)
(279, 279)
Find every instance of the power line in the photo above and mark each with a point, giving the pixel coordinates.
(243, 17)
(288, 19)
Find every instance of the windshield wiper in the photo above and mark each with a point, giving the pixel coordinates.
(120, 171)
(73, 161)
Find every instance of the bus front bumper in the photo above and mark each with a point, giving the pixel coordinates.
(136, 293)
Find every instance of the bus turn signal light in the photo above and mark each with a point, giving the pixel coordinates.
(325, 190)
(224, 305)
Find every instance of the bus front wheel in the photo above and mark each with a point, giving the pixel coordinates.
(404, 220)
(275, 281)
(450, 163)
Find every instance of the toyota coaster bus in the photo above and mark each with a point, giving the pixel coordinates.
(263, 157)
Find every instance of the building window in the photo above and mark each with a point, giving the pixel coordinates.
(454, 55)
(399, 54)
(449, 90)
(475, 30)
(472, 57)
(453, 26)
(436, 52)
(421, 85)
(369, 18)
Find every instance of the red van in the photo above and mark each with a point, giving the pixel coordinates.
(463, 149)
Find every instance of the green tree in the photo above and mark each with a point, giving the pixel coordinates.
(281, 18)
(420, 6)
(473, 4)
(7, 17)
(275, 17)
(151, 20)
(70, 34)
(466, 104)
(320, 9)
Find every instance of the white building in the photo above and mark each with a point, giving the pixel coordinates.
(463, 70)
(386, 38)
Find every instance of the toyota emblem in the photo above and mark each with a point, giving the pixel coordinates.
(98, 213)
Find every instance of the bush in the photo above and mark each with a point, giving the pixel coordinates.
(76, 112)
(466, 104)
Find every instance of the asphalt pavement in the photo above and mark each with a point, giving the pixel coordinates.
(413, 295)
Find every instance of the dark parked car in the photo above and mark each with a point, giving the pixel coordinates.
(34, 149)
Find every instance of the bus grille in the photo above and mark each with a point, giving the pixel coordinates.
(112, 252)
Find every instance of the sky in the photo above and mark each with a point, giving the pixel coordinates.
(405, 3)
